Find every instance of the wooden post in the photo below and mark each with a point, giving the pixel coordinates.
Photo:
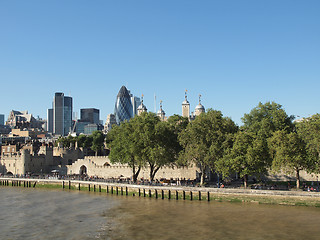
(156, 193)
(117, 190)
(99, 188)
(139, 192)
(79, 187)
(150, 195)
(94, 188)
(199, 195)
(126, 191)
(162, 194)
(62, 184)
(69, 184)
(34, 185)
(169, 194)
(121, 191)
(191, 195)
(208, 197)
(144, 193)
(111, 190)
(89, 188)
(177, 195)
(184, 195)
(107, 189)
(24, 183)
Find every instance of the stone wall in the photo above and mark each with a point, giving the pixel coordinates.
(102, 167)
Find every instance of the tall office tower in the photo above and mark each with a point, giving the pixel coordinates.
(62, 114)
(50, 120)
(1, 119)
(123, 109)
(111, 120)
(90, 115)
(135, 104)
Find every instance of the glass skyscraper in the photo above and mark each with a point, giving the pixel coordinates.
(123, 108)
(60, 116)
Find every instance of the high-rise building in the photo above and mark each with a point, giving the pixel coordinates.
(111, 120)
(135, 104)
(60, 116)
(90, 115)
(50, 120)
(123, 109)
(1, 119)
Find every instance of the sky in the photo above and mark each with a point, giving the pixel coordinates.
(234, 53)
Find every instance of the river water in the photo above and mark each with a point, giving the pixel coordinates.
(56, 214)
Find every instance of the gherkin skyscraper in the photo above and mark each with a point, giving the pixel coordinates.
(123, 109)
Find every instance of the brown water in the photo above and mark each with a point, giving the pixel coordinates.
(55, 214)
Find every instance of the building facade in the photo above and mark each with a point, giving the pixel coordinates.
(1, 119)
(91, 115)
(60, 116)
(123, 108)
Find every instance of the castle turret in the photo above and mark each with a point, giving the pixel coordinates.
(142, 108)
(185, 106)
(161, 114)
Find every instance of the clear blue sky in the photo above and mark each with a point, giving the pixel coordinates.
(234, 53)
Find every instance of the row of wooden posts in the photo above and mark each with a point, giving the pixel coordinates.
(114, 190)
(27, 184)
(124, 191)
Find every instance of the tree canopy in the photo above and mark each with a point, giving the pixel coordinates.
(206, 139)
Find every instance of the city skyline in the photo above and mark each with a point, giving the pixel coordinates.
(234, 54)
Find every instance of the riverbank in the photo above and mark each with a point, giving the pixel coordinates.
(289, 198)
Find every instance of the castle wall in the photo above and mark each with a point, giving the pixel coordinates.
(103, 168)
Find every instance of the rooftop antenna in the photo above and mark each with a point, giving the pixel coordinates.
(185, 94)
(155, 103)
(200, 98)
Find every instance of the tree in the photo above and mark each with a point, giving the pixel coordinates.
(289, 154)
(206, 139)
(81, 140)
(97, 141)
(158, 140)
(66, 141)
(261, 123)
(267, 118)
(309, 130)
(246, 157)
(125, 147)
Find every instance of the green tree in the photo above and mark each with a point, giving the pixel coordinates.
(158, 141)
(125, 146)
(309, 130)
(66, 141)
(246, 157)
(289, 154)
(206, 139)
(267, 118)
(81, 140)
(97, 142)
(261, 123)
